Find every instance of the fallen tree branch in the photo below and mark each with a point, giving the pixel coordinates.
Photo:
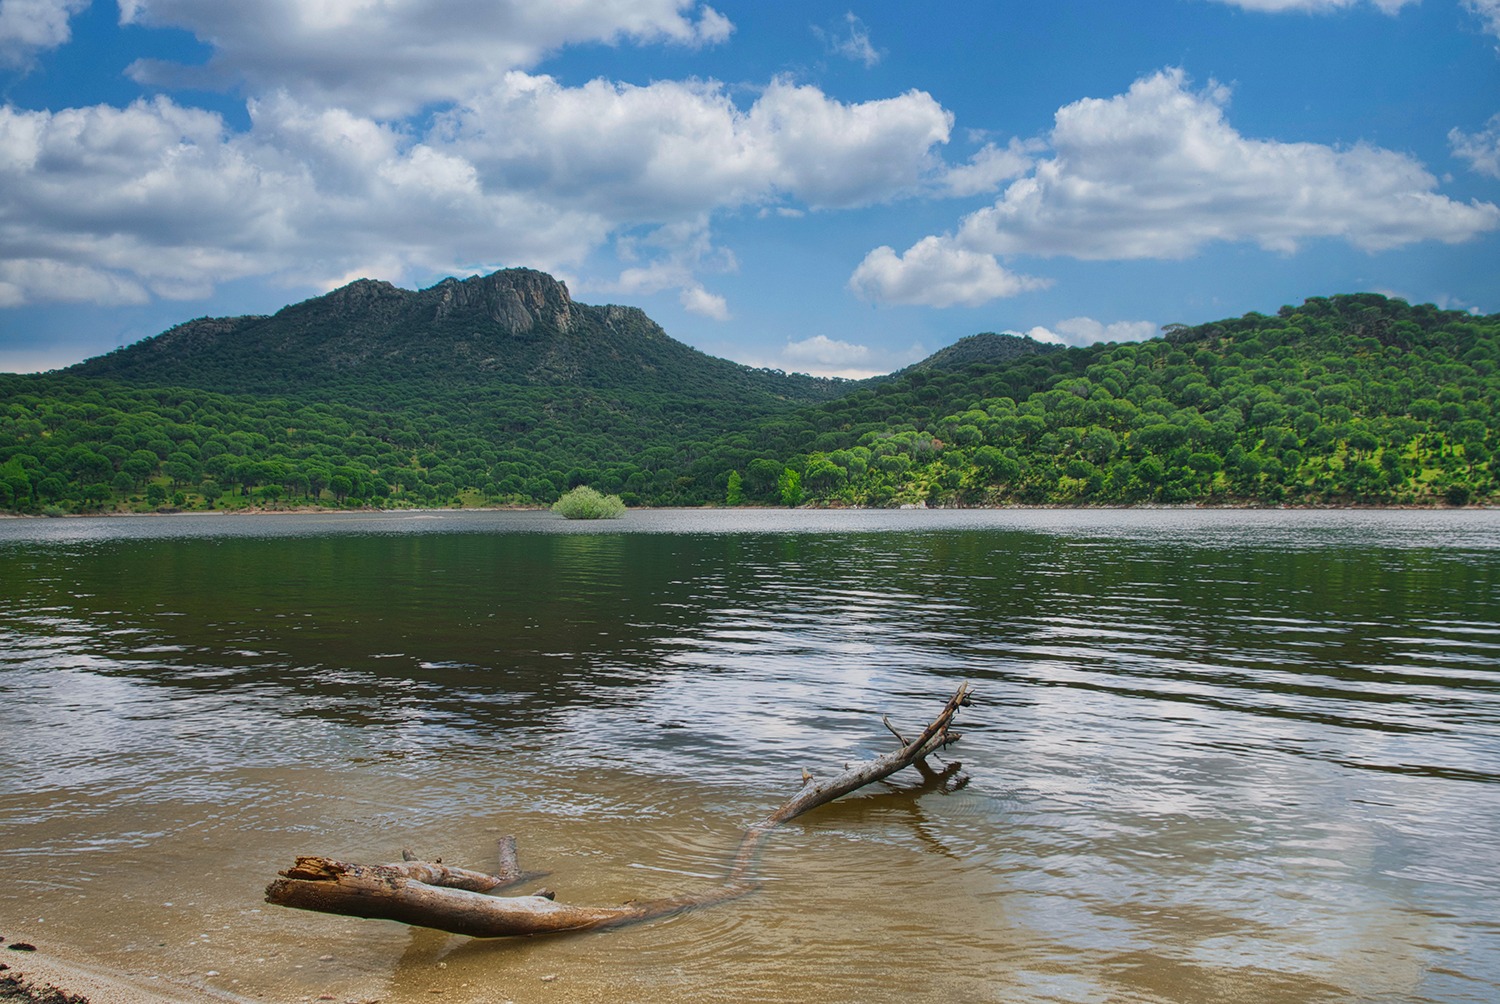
(431, 894)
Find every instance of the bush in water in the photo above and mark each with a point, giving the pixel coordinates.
(584, 502)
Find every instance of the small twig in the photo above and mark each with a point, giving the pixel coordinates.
(886, 721)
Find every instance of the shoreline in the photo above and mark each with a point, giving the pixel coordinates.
(1019, 506)
(48, 975)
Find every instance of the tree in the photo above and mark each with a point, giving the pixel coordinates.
(823, 475)
(994, 466)
(762, 476)
(789, 485)
(734, 493)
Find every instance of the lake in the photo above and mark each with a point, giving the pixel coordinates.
(1214, 755)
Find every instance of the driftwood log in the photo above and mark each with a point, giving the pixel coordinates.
(431, 894)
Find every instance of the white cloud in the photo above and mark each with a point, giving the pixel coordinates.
(854, 45)
(161, 197)
(391, 57)
(1487, 11)
(1158, 173)
(1480, 149)
(936, 273)
(1087, 331)
(1314, 6)
(991, 167)
(831, 357)
(826, 352)
(669, 149)
(697, 300)
(61, 282)
(331, 181)
(168, 198)
(671, 257)
(29, 25)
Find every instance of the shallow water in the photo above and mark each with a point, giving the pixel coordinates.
(1216, 755)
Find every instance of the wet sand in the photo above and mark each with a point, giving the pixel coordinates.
(54, 975)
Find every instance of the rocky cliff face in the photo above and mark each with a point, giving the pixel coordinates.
(517, 299)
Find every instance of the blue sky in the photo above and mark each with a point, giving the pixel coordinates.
(831, 188)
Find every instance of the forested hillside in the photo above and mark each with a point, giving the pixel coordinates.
(1344, 399)
(494, 388)
(373, 343)
(1357, 398)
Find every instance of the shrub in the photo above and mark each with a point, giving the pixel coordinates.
(585, 503)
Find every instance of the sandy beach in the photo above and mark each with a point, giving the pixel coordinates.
(50, 974)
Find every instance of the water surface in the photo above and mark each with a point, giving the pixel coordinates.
(1216, 755)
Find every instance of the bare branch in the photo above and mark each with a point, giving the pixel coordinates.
(431, 894)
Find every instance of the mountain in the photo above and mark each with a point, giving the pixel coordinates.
(497, 387)
(516, 326)
(503, 390)
(985, 347)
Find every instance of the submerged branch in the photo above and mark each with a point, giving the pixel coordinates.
(431, 894)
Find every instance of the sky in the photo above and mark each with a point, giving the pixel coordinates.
(830, 188)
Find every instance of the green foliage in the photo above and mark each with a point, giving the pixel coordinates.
(789, 486)
(584, 502)
(1343, 399)
(400, 398)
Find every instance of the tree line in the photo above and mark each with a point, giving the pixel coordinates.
(1344, 399)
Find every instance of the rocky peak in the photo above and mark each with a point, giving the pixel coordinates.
(517, 299)
(362, 293)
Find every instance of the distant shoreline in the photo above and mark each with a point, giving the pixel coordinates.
(1020, 507)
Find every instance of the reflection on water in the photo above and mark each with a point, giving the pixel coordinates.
(1228, 756)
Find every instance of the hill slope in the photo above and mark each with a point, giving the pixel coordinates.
(983, 348)
(516, 326)
(509, 392)
(1355, 398)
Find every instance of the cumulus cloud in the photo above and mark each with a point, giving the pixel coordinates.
(332, 179)
(825, 351)
(1316, 6)
(1480, 149)
(171, 200)
(697, 300)
(27, 26)
(1158, 172)
(673, 148)
(853, 43)
(832, 357)
(991, 167)
(935, 272)
(391, 58)
(1087, 331)
(64, 283)
(164, 198)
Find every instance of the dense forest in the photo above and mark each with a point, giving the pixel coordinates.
(1347, 399)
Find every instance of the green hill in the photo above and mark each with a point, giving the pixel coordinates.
(493, 388)
(1348, 399)
(501, 389)
(985, 347)
(516, 327)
